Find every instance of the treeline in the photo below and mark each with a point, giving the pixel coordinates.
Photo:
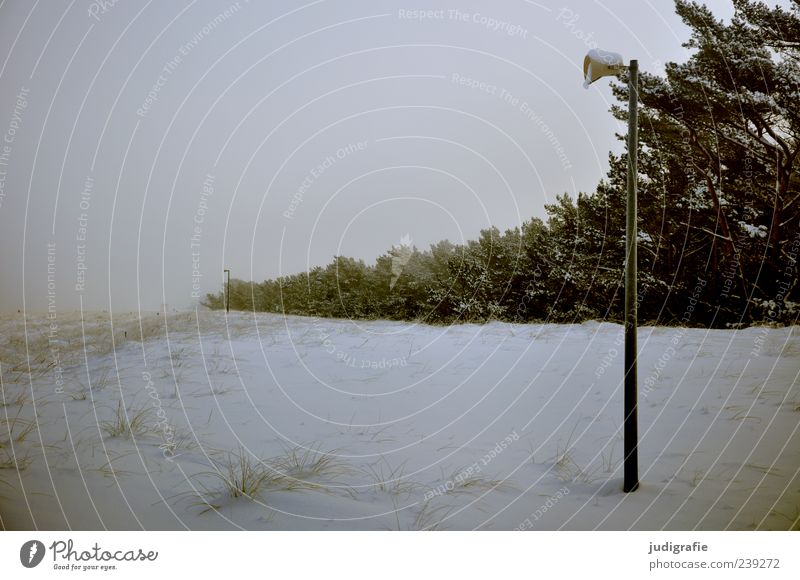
(719, 229)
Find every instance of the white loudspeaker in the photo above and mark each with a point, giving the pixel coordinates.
(600, 63)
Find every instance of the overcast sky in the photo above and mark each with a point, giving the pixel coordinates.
(146, 146)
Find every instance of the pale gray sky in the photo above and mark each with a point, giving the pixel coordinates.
(148, 140)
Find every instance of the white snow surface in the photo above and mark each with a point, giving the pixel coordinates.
(389, 425)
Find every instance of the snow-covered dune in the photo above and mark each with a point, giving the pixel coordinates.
(271, 422)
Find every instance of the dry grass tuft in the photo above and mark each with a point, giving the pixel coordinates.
(243, 475)
(431, 519)
(13, 461)
(127, 423)
(390, 480)
(22, 399)
(17, 429)
(306, 463)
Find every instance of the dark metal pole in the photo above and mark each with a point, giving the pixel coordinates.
(630, 425)
(228, 292)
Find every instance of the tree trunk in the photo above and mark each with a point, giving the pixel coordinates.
(775, 229)
(722, 221)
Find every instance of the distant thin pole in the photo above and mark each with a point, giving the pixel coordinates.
(228, 292)
(630, 425)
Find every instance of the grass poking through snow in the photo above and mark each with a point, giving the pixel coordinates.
(127, 423)
(17, 429)
(13, 461)
(306, 463)
(243, 475)
(388, 479)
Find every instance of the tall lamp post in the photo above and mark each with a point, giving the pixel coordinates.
(228, 291)
(597, 64)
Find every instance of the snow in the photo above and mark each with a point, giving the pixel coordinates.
(496, 426)
(754, 231)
